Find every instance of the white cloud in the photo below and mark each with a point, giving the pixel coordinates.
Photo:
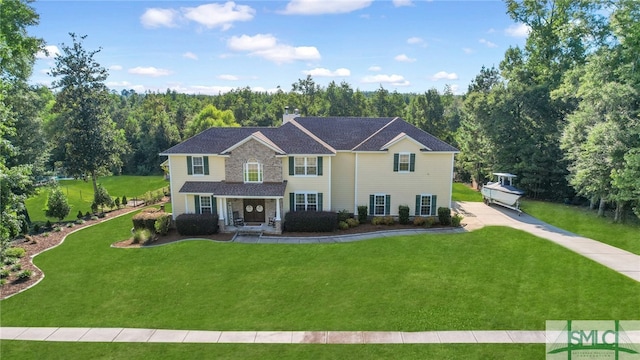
(443, 75)
(487, 43)
(228, 77)
(115, 67)
(252, 43)
(455, 88)
(190, 55)
(399, 3)
(219, 15)
(404, 58)
(518, 30)
(318, 7)
(467, 50)
(415, 40)
(267, 46)
(156, 17)
(395, 80)
(149, 71)
(51, 52)
(322, 72)
(374, 68)
(491, 31)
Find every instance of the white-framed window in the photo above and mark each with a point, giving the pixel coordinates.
(197, 165)
(379, 204)
(253, 172)
(205, 205)
(426, 205)
(404, 160)
(306, 202)
(306, 166)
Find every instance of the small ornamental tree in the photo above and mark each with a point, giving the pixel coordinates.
(102, 198)
(57, 205)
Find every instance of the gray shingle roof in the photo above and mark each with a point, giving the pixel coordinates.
(341, 133)
(222, 188)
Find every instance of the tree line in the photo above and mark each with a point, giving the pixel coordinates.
(560, 112)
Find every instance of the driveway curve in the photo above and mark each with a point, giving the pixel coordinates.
(477, 215)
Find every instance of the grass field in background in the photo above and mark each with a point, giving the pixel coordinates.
(490, 279)
(585, 222)
(462, 192)
(80, 193)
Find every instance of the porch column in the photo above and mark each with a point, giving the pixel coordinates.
(186, 204)
(221, 206)
(277, 210)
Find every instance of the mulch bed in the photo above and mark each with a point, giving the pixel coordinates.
(36, 244)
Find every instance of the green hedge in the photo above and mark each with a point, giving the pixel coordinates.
(197, 224)
(311, 221)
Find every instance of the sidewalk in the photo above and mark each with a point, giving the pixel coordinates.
(271, 337)
(478, 215)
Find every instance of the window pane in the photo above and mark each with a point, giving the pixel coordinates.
(425, 205)
(379, 205)
(198, 167)
(205, 204)
(403, 162)
(311, 198)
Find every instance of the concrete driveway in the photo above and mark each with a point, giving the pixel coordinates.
(477, 215)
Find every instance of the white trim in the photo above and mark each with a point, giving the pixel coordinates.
(401, 137)
(186, 203)
(306, 202)
(306, 166)
(384, 206)
(173, 196)
(245, 172)
(408, 162)
(203, 197)
(430, 204)
(355, 185)
(193, 165)
(259, 137)
(453, 159)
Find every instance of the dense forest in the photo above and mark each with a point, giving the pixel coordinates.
(561, 112)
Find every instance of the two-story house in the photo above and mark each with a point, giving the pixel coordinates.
(310, 163)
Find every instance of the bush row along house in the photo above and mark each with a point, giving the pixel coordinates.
(310, 164)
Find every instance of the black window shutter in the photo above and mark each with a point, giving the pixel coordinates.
(319, 165)
(189, 166)
(205, 160)
(387, 204)
(291, 169)
(418, 203)
(214, 205)
(396, 161)
(412, 162)
(434, 209)
(319, 201)
(372, 203)
(292, 202)
(196, 199)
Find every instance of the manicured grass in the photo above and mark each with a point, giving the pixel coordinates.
(462, 192)
(80, 193)
(494, 278)
(16, 350)
(585, 222)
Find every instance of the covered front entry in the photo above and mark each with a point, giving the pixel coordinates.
(254, 210)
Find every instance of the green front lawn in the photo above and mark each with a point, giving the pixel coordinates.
(462, 192)
(80, 193)
(494, 278)
(585, 222)
(59, 350)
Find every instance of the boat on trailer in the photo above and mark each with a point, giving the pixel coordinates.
(502, 192)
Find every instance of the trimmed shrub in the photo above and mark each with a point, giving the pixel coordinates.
(10, 260)
(87, 215)
(403, 214)
(4, 273)
(197, 224)
(70, 225)
(146, 219)
(124, 200)
(16, 267)
(36, 228)
(116, 201)
(363, 213)
(343, 225)
(93, 217)
(94, 207)
(419, 221)
(80, 221)
(311, 221)
(353, 222)
(377, 220)
(162, 224)
(456, 220)
(343, 215)
(388, 220)
(57, 205)
(57, 228)
(444, 216)
(79, 216)
(16, 252)
(48, 225)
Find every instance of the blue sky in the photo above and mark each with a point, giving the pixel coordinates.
(212, 47)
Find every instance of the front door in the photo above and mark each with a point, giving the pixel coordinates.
(254, 210)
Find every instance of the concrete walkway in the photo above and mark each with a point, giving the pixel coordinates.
(477, 215)
(270, 337)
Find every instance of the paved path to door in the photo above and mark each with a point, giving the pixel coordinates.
(478, 214)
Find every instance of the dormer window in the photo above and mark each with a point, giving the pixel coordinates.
(252, 171)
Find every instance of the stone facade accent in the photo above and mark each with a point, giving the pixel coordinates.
(253, 150)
